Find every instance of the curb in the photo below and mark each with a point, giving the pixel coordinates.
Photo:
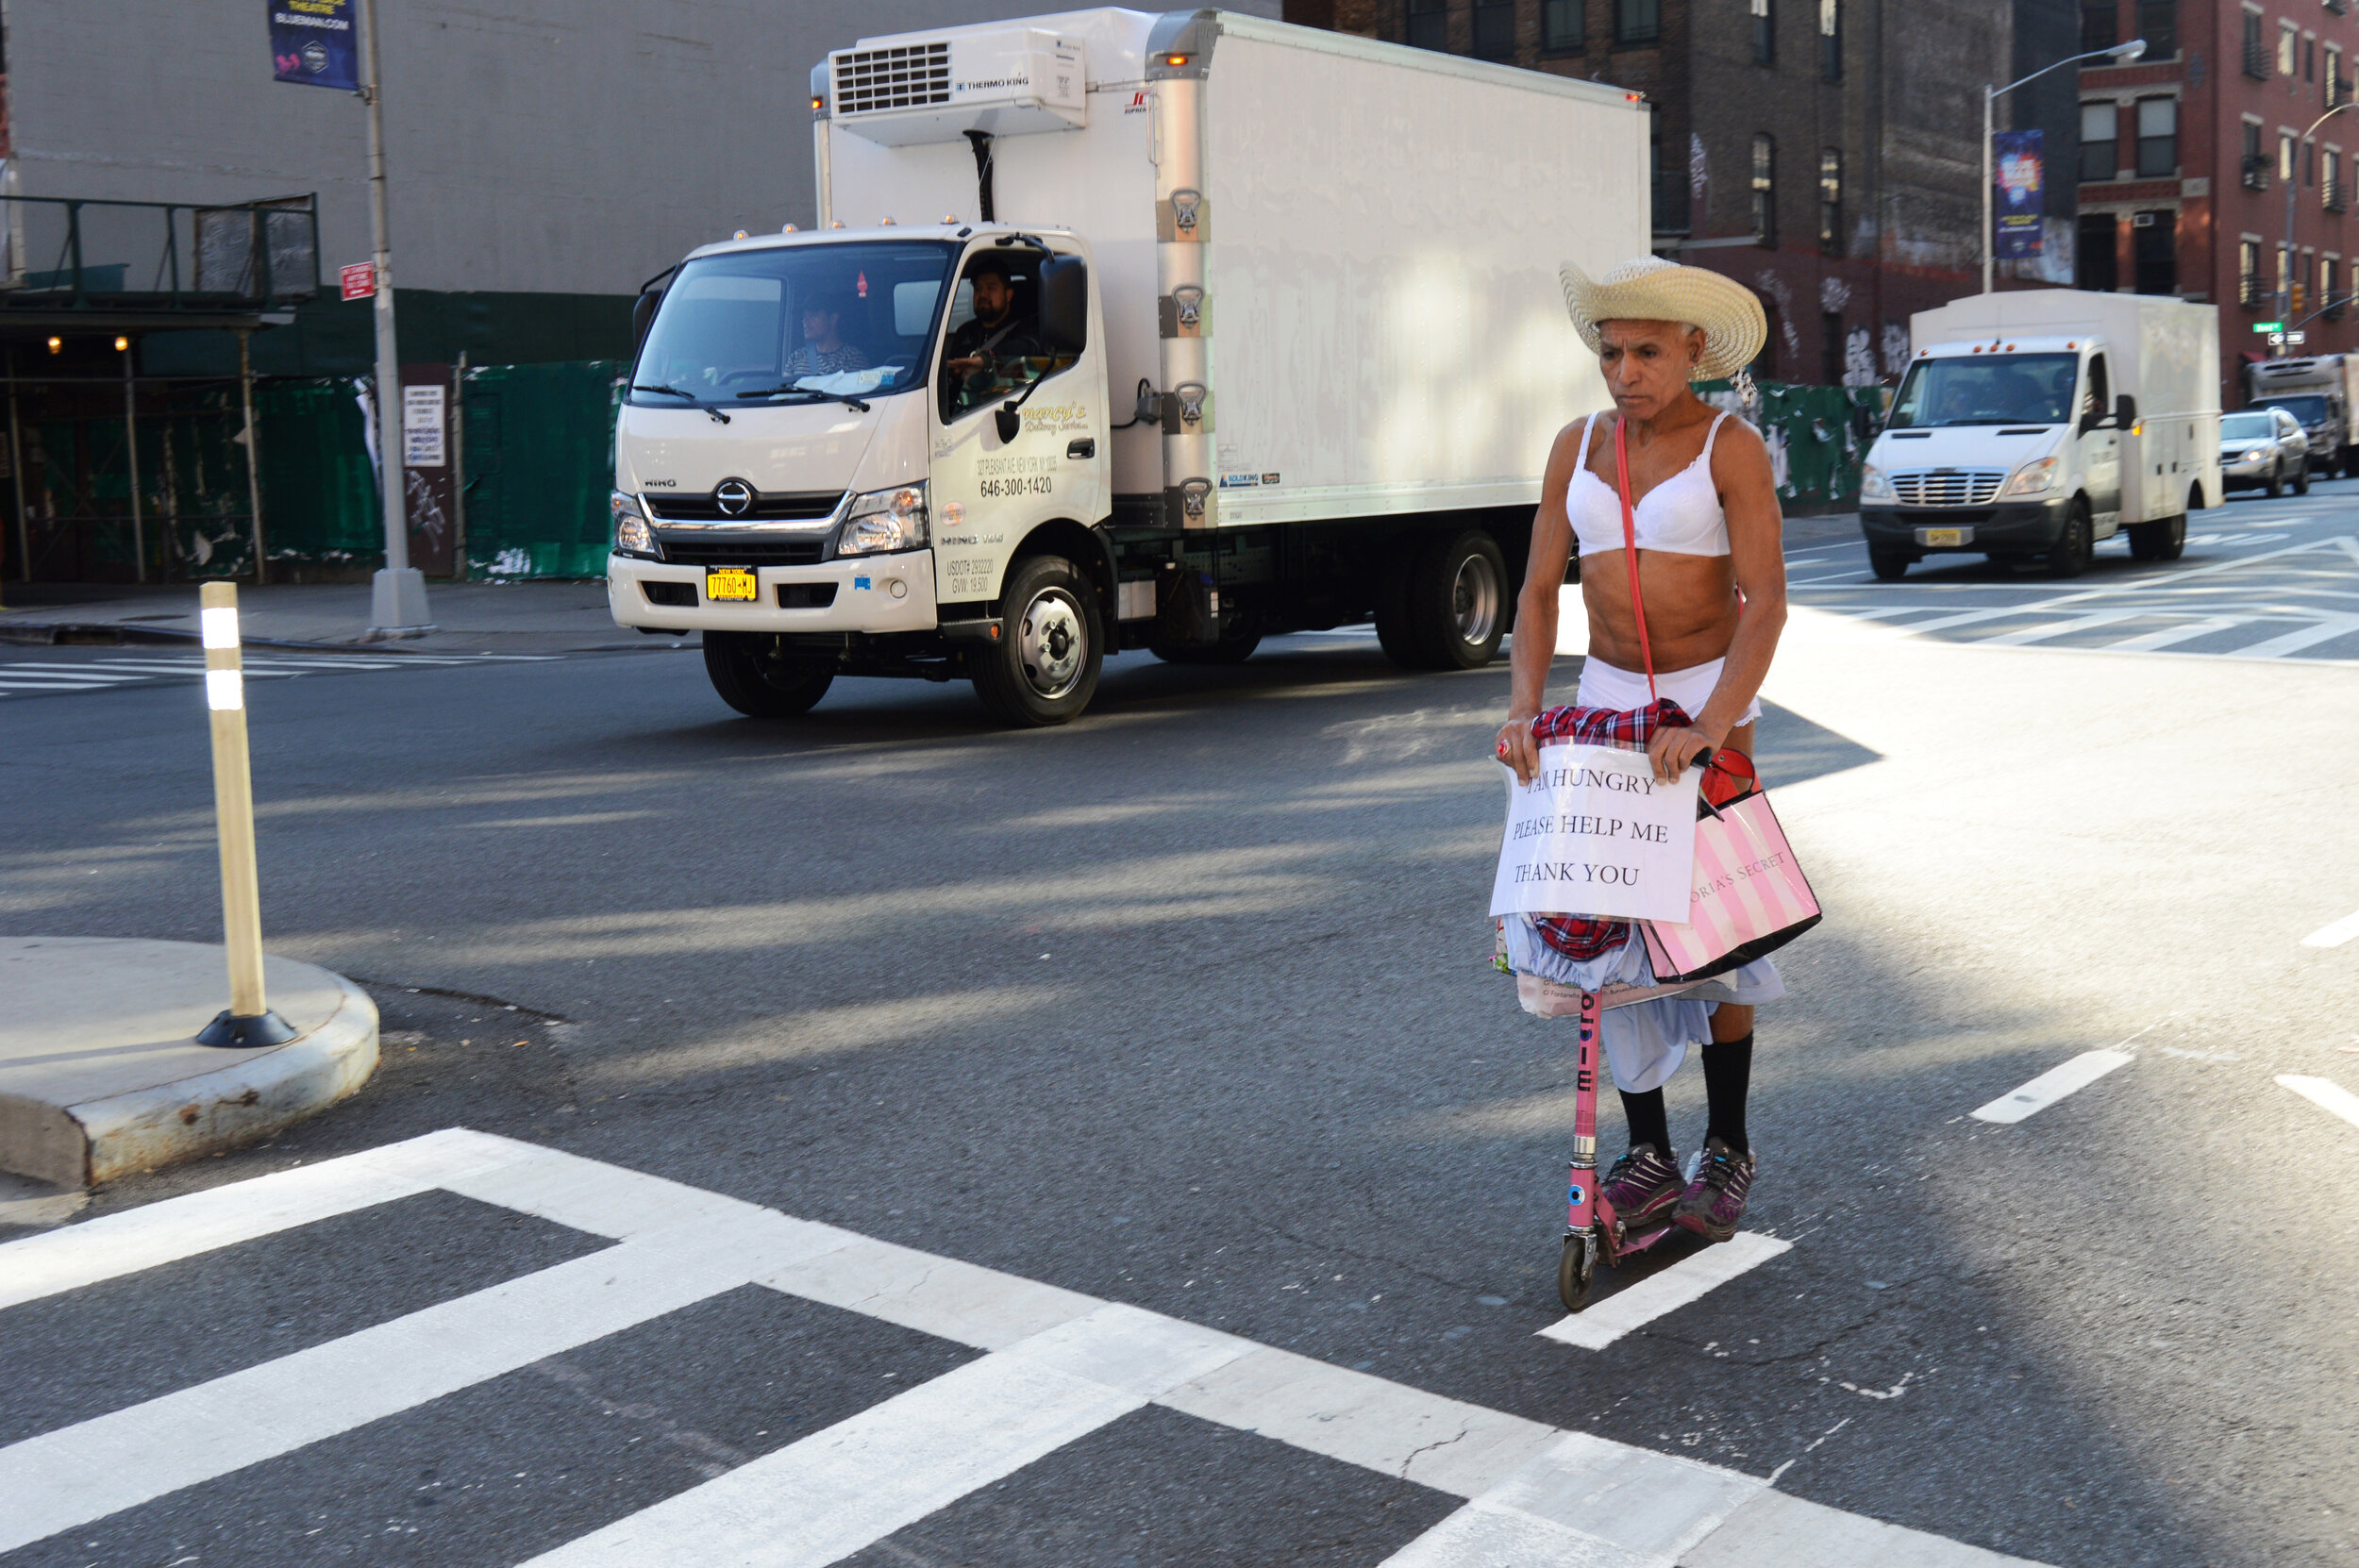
(103, 633)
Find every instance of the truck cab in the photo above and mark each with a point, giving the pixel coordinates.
(837, 448)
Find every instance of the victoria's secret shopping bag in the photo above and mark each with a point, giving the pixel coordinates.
(1750, 897)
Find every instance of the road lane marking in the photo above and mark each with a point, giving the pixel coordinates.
(2293, 642)
(2168, 636)
(1056, 1362)
(2325, 1094)
(2054, 1084)
(2057, 628)
(1675, 1286)
(2335, 935)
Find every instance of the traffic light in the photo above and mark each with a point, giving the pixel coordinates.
(2298, 300)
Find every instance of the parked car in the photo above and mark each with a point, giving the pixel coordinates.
(2264, 448)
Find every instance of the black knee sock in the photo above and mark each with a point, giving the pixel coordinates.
(1648, 1122)
(1728, 1071)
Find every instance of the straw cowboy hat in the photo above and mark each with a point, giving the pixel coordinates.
(1652, 288)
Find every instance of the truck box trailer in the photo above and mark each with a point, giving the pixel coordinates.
(1123, 330)
(2322, 391)
(2033, 424)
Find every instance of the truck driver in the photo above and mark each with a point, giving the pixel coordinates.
(981, 350)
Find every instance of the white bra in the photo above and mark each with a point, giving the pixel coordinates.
(1681, 516)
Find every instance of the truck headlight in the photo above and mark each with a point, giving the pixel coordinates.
(632, 537)
(883, 519)
(2032, 477)
(1873, 486)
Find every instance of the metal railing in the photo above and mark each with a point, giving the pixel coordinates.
(2255, 170)
(2338, 90)
(69, 252)
(2332, 195)
(2249, 288)
(2259, 62)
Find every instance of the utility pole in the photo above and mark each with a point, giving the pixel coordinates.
(397, 601)
(2286, 257)
(2119, 54)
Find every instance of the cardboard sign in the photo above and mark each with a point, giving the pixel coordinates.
(422, 444)
(1595, 833)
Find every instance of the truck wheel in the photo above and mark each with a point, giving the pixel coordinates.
(1458, 602)
(2165, 539)
(1240, 636)
(1394, 633)
(1889, 565)
(2070, 556)
(1044, 668)
(757, 679)
(2301, 479)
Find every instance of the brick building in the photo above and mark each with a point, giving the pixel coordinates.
(1826, 152)
(2187, 159)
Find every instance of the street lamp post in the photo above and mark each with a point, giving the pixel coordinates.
(2285, 262)
(2120, 54)
(398, 596)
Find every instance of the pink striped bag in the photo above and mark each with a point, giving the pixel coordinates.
(1750, 897)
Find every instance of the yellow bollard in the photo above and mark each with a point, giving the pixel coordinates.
(247, 1021)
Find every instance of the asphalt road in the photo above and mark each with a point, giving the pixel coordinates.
(1186, 1006)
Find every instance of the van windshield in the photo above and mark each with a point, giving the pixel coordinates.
(2310, 410)
(793, 322)
(1997, 389)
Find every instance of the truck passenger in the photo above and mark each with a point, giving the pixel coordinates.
(824, 350)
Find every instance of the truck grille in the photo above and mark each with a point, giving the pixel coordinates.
(741, 550)
(910, 77)
(809, 507)
(1971, 487)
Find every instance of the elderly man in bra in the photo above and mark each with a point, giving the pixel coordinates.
(1711, 571)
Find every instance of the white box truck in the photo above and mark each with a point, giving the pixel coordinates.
(2322, 391)
(2033, 423)
(1123, 330)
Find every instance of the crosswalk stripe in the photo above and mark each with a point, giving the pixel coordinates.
(1684, 1281)
(2170, 636)
(6, 685)
(2293, 642)
(2057, 628)
(77, 1474)
(821, 1499)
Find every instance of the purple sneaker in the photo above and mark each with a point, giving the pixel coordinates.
(1643, 1187)
(1715, 1202)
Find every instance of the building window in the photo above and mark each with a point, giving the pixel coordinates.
(2158, 23)
(1564, 26)
(2256, 58)
(1764, 365)
(1765, 32)
(1831, 349)
(2309, 163)
(2285, 155)
(1428, 25)
(2337, 85)
(2100, 25)
(1831, 39)
(2154, 252)
(2286, 41)
(2333, 194)
(1831, 201)
(2330, 277)
(1766, 189)
(2096, 265)
(1670, 189)
(2158, 137)
(1495, 29)
(2284, 273)
(2249, 272)
(2309, 59)
(2101, 141)
(1637, 21)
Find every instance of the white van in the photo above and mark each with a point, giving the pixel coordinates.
(2033, 424)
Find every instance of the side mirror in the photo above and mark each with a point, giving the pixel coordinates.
(1008, 422)
(1065, 303)
(2125, 411)
(2089, 421)
(642, 317)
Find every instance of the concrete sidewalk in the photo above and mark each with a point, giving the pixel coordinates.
(476, 617)
(100, 1074)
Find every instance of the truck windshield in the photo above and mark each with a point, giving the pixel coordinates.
(2310, 410)
(2002, 389)
(794, 322)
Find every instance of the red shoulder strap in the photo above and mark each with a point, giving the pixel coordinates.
(1629, 551)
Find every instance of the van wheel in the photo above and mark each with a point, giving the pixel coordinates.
(2165, 539)
(1890, 565)
(755, 676)
(1458, 602)
(2070, 556)
(1044, 668)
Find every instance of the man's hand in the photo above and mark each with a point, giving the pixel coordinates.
(966, 366)
(1517, 749)
(1672, 750)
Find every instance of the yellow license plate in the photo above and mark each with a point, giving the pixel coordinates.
(723, 583)
(1932, 536)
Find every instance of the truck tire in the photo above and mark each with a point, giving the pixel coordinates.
(753, 676)
(1394, 633)
(1044, 668)
(1889, 565)
(2070, 556)
(1458, 602)
(2165, 539)
(1240, 635)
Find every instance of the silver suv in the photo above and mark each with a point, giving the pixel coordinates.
(2264, 448)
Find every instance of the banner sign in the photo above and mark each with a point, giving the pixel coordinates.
(2019, 201)
(312, 43)
(1595, 833)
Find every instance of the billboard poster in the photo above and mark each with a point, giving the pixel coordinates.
(2016, 206)
(313, 42)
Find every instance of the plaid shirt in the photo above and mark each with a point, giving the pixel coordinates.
(1584, 937)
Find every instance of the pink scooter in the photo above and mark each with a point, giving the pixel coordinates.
(1590, 1228)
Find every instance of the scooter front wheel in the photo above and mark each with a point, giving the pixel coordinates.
(1576, 1271)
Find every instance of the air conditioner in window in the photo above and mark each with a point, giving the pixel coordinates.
(1008, 81)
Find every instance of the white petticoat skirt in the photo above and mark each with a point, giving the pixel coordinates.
(1646, 1042)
